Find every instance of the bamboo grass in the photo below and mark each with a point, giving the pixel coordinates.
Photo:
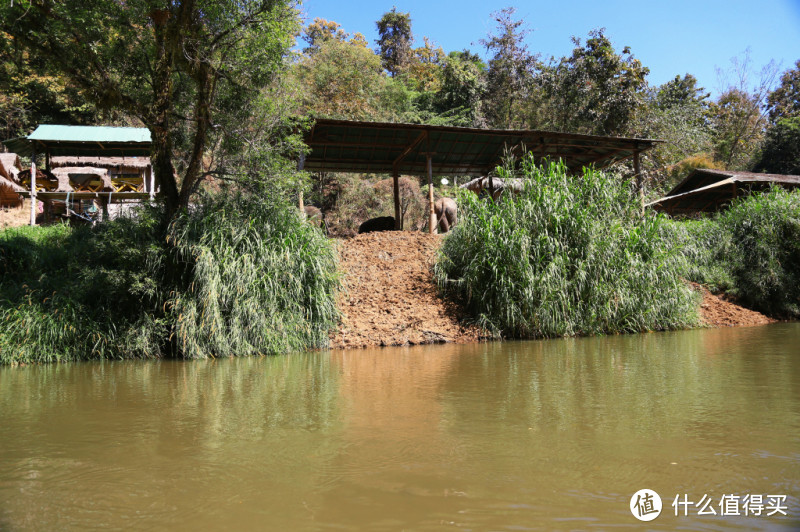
(570, 255)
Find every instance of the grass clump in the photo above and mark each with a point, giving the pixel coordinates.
(256, 280)
(237, 275)
(764, 251)
(751, 251)
(570, 255)
(75, 293)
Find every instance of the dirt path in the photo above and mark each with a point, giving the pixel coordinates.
(391, 298)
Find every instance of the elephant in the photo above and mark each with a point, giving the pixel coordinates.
(446, 210)
(313, 215)
(382, 223)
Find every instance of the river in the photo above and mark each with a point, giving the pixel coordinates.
(555, 434)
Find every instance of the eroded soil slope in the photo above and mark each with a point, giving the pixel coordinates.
(390, 296)
(391, 299)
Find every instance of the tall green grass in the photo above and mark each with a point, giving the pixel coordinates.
(74, 293)
(750, 251)
(237, 275)
(257, 280)
(570, 255)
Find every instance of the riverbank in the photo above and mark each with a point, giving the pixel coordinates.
(389, 295)
(391, 298)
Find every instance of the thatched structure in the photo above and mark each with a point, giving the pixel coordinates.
(705, 190)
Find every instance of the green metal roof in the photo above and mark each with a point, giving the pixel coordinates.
(95, 141)
(350, 146)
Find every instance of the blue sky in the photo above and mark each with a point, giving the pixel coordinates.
(671, 37)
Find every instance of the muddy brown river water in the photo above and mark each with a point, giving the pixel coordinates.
(555, 434)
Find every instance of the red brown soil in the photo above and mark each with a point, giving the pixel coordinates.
(390, 297)
(717, 312)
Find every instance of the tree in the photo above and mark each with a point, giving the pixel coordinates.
(784, 102)
(739, 115)
(32, 93)
(781, 152)
(320, 31)
(343, 80)
(510, 71)
(595, 90)
(424, 69)
(674, 112)
(394, 42)
(187, 69)
(463, 86)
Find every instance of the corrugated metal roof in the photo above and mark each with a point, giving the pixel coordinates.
(351, 146)
(90, 133)
(91, 141)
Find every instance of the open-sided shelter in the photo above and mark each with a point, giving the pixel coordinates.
(107, 164)
(417, 149)
(705, 190)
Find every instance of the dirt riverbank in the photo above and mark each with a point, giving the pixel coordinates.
(391, 298)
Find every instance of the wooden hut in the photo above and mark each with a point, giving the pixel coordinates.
(87, 165)
(705, 190)
(9, 180)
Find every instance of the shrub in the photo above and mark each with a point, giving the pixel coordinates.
(236, 276)
(569, 255)
(257, 280)
(764, 256)
(77, 293)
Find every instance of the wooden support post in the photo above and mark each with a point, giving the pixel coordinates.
(301, 163)
(432, 222)
(398, 222)
(34, 202)
(637, 170)
(104, 205)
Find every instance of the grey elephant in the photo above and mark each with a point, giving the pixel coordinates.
(446, 211)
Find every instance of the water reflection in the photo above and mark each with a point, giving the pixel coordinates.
(546, 434)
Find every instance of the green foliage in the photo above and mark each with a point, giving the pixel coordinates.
(235, 276)
(510, 72)
(784, 102)
(764, 256)
(750, 251)
(345, 81)
(781, 151)
(187, 70)
(738, 125)
(595, 90)
(259, 280)
(705, 245)
(69, 294)
(569, 255)
(394, 41)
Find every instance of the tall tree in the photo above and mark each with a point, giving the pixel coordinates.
(595, 90)
(784, 102)
(394, 41)
(739, 116)
(187, 69)
(463, 86)
(781, 151)
(510, 71)
(320, 31)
